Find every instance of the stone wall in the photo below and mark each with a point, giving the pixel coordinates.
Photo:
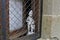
(47, 18)
(51, 19)
(56, 19)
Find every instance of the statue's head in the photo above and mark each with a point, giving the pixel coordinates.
(31, 13)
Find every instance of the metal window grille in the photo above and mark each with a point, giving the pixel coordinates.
(16, 15)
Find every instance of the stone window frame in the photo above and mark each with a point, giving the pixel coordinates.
(38, 9)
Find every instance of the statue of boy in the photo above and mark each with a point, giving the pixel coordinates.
(30, 23)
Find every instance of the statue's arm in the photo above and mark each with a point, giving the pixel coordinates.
(27, 20)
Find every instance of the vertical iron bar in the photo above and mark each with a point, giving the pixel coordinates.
(3, 20)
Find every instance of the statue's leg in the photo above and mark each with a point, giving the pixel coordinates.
(28, 28)
(32, 28)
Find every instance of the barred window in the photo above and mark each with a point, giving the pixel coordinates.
(17, 12)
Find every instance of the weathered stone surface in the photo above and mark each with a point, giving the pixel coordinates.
(47, 7)
(51, 8)
(30, 37)
(55, 30)
(46, 26)
(56, 7)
